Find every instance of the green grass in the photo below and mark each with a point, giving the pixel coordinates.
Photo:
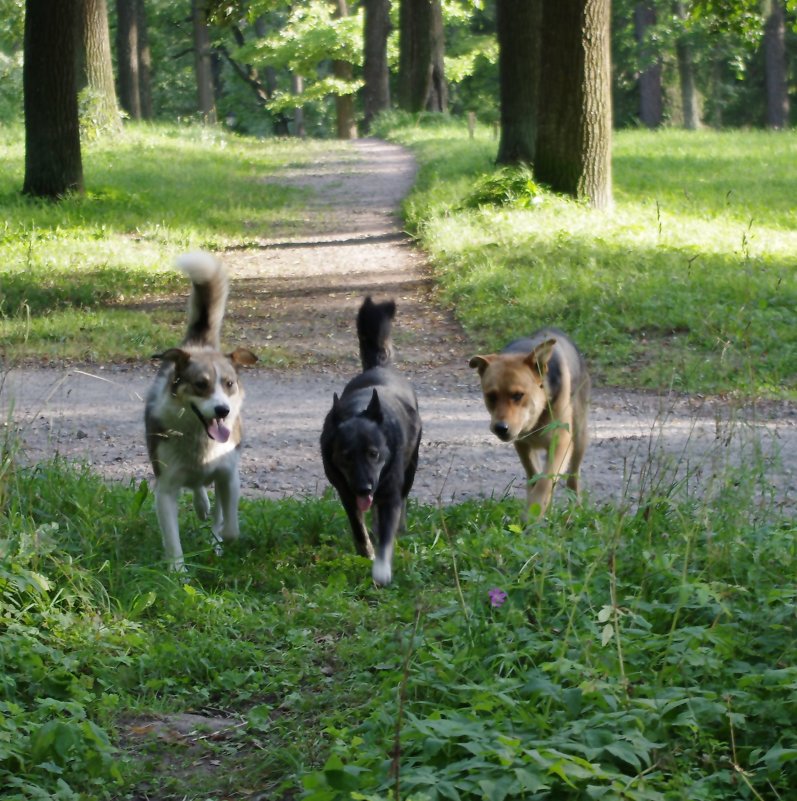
(640, 654)
(691, 282)
(74, 272)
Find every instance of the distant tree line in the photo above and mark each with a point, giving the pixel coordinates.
(553, 76)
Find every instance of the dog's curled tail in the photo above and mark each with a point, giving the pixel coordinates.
(374, 321)
(207, 300)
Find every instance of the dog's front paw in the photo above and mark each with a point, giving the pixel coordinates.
(177, 565)
(382, 572)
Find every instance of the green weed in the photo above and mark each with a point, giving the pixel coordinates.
(641, 652)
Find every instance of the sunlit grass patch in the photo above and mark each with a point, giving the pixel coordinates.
(689, 283)
(152, 193)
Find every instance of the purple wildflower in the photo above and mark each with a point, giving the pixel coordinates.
(497, 597)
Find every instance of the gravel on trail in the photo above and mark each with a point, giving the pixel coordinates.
(301, 292)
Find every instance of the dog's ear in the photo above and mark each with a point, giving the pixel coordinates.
(241, 357)
(374, 410)
(335, 407)
(177, 356)
(538, 359)
(480, 363)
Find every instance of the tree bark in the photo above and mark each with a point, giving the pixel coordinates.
(518, 30)
(686, 75)
(127, 57)
(437, 99)
(97, 66)
(574, 135)
(343, 70)
(376, 76)
(53, 164)
(415, 54)
(650, 96)
(775, 66)
(144, 62)
(206, 101)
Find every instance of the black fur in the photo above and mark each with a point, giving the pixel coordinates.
(370, 441)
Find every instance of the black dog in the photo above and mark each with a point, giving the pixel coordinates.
(370, 441)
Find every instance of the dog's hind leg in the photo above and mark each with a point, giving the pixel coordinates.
(166, 511)
(580, 441)
(201, 503)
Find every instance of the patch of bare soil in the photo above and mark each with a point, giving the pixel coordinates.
(300, 294)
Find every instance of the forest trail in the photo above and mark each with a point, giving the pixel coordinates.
(300, 292)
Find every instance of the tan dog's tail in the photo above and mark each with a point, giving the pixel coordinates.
(208, 298)
(374, 321)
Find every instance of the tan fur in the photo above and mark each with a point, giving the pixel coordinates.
(538, 415)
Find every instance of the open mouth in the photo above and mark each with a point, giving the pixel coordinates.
(215, 428)
(364, 502)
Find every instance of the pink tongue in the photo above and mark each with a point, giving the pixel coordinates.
(218, 431)
(364, 502)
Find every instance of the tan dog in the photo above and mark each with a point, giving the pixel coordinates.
(537, 392)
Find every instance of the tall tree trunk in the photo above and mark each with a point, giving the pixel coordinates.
(127, 57)
(376, 89)
(344, 104)
(203, 67)
(53, 165)
(415, 54)
(650, 97)
(437, 99)
(518, 30)
(144, 62)
(574, 134)
(718, 66)
(97, 66)
(775, 61)
(686, 75)
(297, 87)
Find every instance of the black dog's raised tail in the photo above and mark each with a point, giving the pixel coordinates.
(208, 298)
(374, 321)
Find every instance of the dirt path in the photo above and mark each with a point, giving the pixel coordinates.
(301, 293)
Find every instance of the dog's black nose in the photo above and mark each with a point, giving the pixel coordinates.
(501, 430)
(221, 411)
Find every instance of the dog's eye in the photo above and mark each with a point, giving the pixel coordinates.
(229, 383)
(201, 384)
(492, 398)
(373, 453)
(517, 397)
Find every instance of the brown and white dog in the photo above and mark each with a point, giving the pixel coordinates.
(193, 413)
(537, 392)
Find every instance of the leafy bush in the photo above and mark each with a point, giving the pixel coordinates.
(508, 186)
(50, 745)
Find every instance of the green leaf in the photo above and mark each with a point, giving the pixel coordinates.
(606, 634)
(623, 751)
(140, 496)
